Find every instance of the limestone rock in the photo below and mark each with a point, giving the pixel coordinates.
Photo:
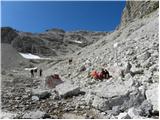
(123, 116)
(116, 94)
(41, 94)
(144, 56)
(67, 89)
(146, 109)
(133, 113)
(89, 98)
(100, 103)
(35, 98)
(152, 96)
(34, 115)
(137, 9)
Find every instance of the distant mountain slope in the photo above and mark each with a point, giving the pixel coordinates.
(10, 58)
(52, 42)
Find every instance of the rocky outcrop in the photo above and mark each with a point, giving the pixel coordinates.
(30, 44)
(52, 42)
(8, 34)
(137, 9)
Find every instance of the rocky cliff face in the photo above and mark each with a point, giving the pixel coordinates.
(52, 42)
(137, 9)
(8, 34)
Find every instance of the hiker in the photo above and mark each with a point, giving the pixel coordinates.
(100, 75)
(35, 71)
(106, 74)
(32, 72)
(40, 72)
(70, 61)
(94, 74)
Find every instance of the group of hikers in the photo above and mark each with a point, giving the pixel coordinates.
(34, 71)
(103, 74)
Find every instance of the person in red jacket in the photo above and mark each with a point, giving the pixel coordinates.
(94, 74)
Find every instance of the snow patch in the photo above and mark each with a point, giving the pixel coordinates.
(78, 42)
(115, 45)
(31, 68)
(31, 56)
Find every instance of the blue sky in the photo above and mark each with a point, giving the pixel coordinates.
(34, 16)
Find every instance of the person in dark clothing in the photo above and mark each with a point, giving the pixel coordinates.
(105, 74)
(70, 61)
(40, 72)
(35, 70)
(32, 73)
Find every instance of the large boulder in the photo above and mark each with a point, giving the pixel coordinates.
(123, 116)
(67, 89)
(110, 94)
(152, 96)
(41, 94)
(35, 115)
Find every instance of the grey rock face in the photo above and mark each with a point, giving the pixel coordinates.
(34, 45)
(137, 9)
(8, 34)
(52, 42)
(67, 89)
